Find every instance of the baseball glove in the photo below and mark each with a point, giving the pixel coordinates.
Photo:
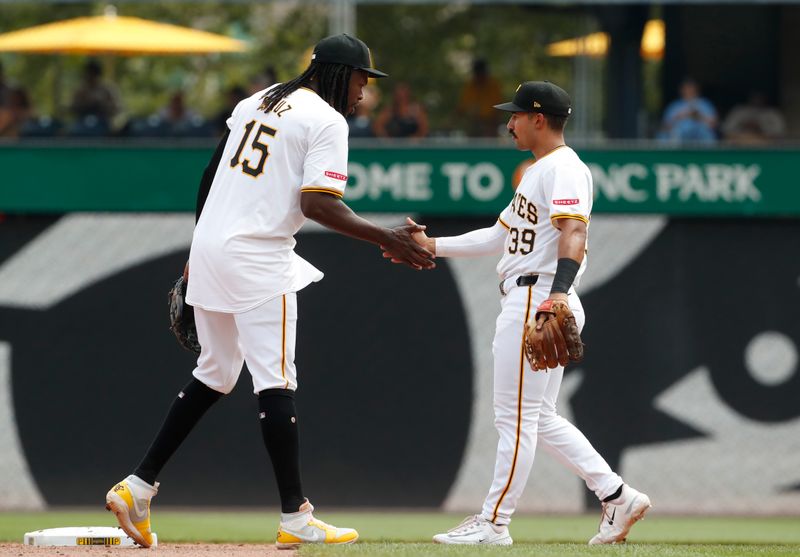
(552, 338)
(181, 317)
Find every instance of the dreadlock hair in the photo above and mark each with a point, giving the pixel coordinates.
(332, 82)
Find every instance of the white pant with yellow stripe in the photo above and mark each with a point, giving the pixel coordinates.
(525, 412)
(264, 337)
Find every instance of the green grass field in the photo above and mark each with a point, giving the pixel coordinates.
(408, 533)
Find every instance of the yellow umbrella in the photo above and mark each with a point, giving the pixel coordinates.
(112, 34)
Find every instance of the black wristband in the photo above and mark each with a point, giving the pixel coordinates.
(566, 271)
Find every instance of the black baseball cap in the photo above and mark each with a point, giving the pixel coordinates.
(347, 50)
(539, 96)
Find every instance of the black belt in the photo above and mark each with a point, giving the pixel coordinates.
(522, 280)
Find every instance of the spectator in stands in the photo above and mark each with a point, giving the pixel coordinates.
(15, 112)
(176, 114)
(753, 122)
(95, 102)
(361, 121)
(234, 96)
(403, 117)
(691, 118)
(5, 88)
(476, 105)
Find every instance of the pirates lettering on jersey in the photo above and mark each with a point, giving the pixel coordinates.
(558, 186)
(525, 209)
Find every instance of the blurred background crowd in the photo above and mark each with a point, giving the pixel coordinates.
(442, 91)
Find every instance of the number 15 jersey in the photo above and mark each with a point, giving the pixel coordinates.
(557, 186)
(242, 251)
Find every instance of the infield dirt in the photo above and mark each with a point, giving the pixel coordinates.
(163, 550)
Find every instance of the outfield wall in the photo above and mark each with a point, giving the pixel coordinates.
(690, 387)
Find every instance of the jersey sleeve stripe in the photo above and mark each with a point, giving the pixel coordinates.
(317, 189)
(504, 224)
(569, 216)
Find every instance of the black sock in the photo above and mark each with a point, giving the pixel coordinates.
(185, 412)
(278, 419)
(614, 495)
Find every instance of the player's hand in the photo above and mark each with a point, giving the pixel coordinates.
(401, 247)
(186, 272)
(422, 239)
(556, 297)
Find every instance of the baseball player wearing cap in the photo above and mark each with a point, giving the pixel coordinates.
(282, 160)
(542, 238)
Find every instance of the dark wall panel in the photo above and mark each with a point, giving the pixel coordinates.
(386, 376)
(93, 378)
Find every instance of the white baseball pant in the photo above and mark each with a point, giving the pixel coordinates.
(525, 411)
(264, 337)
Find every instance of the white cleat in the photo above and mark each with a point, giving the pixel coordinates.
(476, 530)
(301, 528)
(620, 515)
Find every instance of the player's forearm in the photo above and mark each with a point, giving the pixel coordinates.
(332, 213)
(484, 241)
(571, 250)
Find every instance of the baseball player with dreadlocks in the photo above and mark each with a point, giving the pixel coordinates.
(282, 160)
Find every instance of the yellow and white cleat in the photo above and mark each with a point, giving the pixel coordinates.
(129, 500)
(301, 527)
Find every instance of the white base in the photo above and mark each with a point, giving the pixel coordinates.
(82, 535)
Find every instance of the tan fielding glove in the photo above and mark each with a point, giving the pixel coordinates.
(552, 338)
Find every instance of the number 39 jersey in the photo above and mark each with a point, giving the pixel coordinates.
(243, 246)
(557, 186)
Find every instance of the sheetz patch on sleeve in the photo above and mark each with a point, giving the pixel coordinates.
(336, 175)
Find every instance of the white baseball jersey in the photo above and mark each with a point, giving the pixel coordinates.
(242, 251)
(557, 186)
